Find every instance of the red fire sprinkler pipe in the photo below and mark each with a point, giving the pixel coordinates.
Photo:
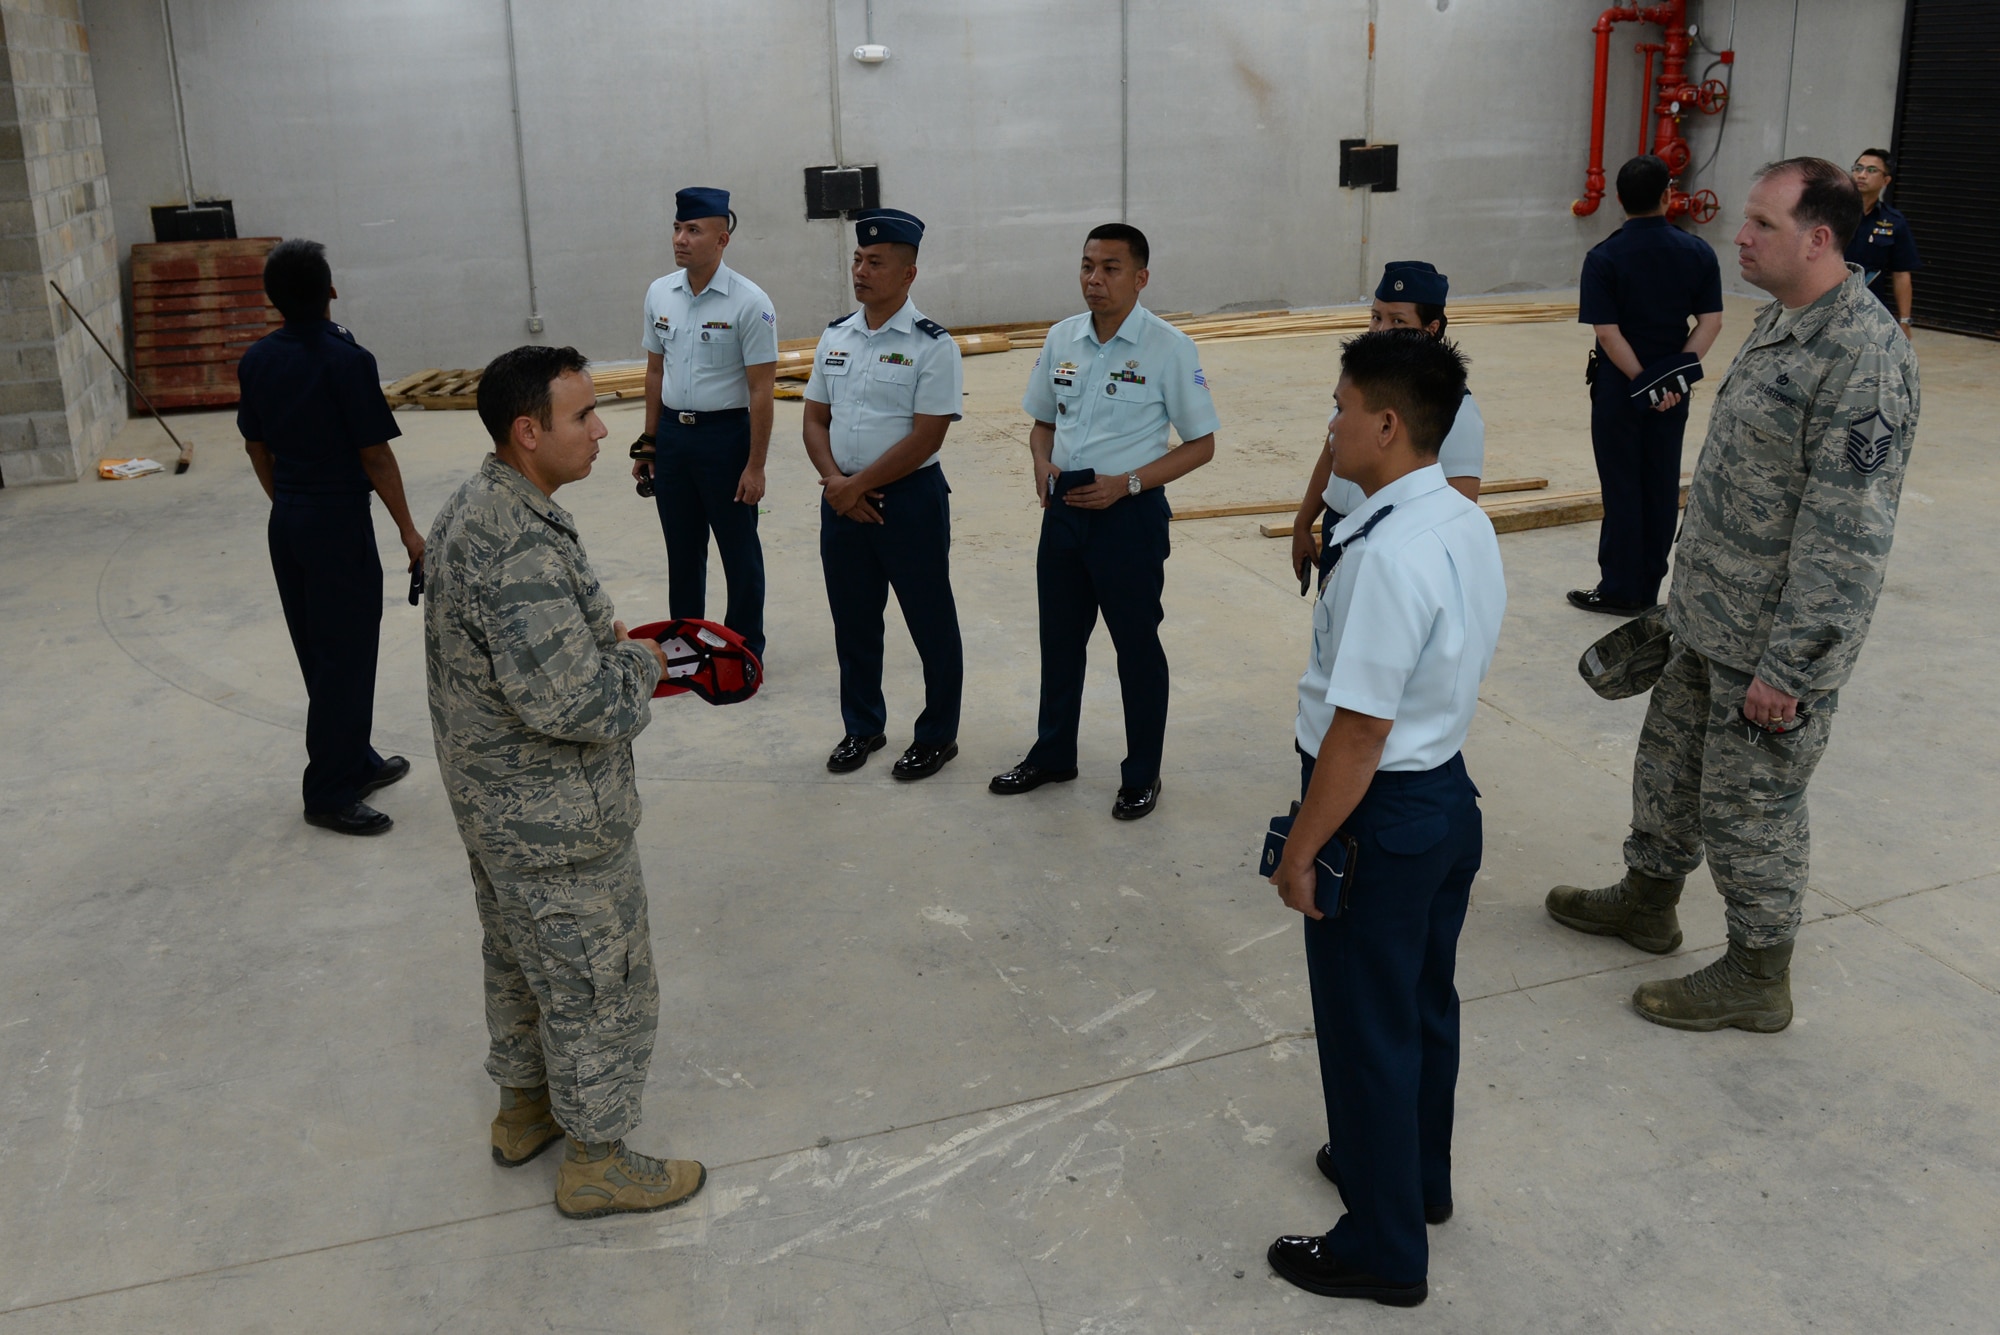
(1649, 50)
(1673, 17)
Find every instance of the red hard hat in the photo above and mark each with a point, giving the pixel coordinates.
(704, 657)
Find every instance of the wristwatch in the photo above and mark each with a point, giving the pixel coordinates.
(1132, 484)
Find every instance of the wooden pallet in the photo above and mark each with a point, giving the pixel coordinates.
(197, 306)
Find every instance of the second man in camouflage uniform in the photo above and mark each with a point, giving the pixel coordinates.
(1789, 522)
(536, 695)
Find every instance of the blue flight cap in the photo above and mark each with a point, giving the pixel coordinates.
(881, 226)
(700, 201)
(1412, 280)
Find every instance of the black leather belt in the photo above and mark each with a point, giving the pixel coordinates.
(676, 416)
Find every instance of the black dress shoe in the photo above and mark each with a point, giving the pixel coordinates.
(393, 768)
(1303, 1261)
(1591, 600)
(924, 759)
(1133, 803)
(1433, 1214)
(357, 819)
(1025, 778)
(853, 752)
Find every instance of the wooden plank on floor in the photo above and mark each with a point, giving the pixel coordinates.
(1517, 515)
(1505, 484)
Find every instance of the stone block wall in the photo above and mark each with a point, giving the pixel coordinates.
(60, 397)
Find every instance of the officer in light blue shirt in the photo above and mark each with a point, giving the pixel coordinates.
(886, 384)
(711, 341)
(1104, 392)
(1403, 634)
(1411, 295)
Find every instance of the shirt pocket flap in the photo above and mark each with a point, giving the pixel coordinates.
(715, 335)
(896, 373)
(1415, 837)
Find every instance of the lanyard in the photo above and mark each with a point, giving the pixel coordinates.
(1351, 539)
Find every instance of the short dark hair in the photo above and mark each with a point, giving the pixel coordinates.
(1420, 378)
(1134, 239)
(516, 384)
(1827, 195)
(298, 279)
(1888, 165)
(1641, 183)
(1427, 314)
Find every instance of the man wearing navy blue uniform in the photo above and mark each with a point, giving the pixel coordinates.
(1882, 244)
(1106, 388)
(711, 341)
(1403, 634)
(1641, 285)
(885, 386)
(317, 430)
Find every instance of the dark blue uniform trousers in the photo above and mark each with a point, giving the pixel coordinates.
(1387, 1013)
(695, 472)
(1114, 560)
(330, 583)
(909, 551)
(1639, 470)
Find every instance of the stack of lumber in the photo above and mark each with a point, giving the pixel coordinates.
(458, 389)
(454, 389)
(196, 307)
(1304, 323)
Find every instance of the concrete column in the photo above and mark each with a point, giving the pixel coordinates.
(60, 399)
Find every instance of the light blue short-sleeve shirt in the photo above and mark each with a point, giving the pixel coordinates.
(1408, 623)
(705, 339)
(877, 380)
(1112, 402)
(1463, 454)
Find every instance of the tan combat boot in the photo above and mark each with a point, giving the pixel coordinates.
(1746, 989)
(609, 1179)
(1639, 908)
(524, 1126)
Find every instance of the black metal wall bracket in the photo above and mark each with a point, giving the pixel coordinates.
(1372, 165)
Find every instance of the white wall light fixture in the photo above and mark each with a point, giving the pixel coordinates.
(873, 53)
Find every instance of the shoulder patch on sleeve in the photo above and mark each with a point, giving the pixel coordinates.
(1868, 442)
(932, 328)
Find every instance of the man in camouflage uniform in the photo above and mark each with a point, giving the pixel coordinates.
(1789, 521)
(536, 695)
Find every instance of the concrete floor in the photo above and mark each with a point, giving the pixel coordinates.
(957, 1063)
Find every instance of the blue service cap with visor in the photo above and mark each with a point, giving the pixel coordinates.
(886, 226)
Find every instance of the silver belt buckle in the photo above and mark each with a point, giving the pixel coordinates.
(687, 419)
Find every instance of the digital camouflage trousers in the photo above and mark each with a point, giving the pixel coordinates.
(571, 997)
(1705, 781)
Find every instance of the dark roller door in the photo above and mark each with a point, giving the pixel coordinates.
(1948, 161)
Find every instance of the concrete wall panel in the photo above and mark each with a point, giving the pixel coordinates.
(384, 130)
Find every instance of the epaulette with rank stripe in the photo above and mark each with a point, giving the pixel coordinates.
(839, 319)
(933, 328)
